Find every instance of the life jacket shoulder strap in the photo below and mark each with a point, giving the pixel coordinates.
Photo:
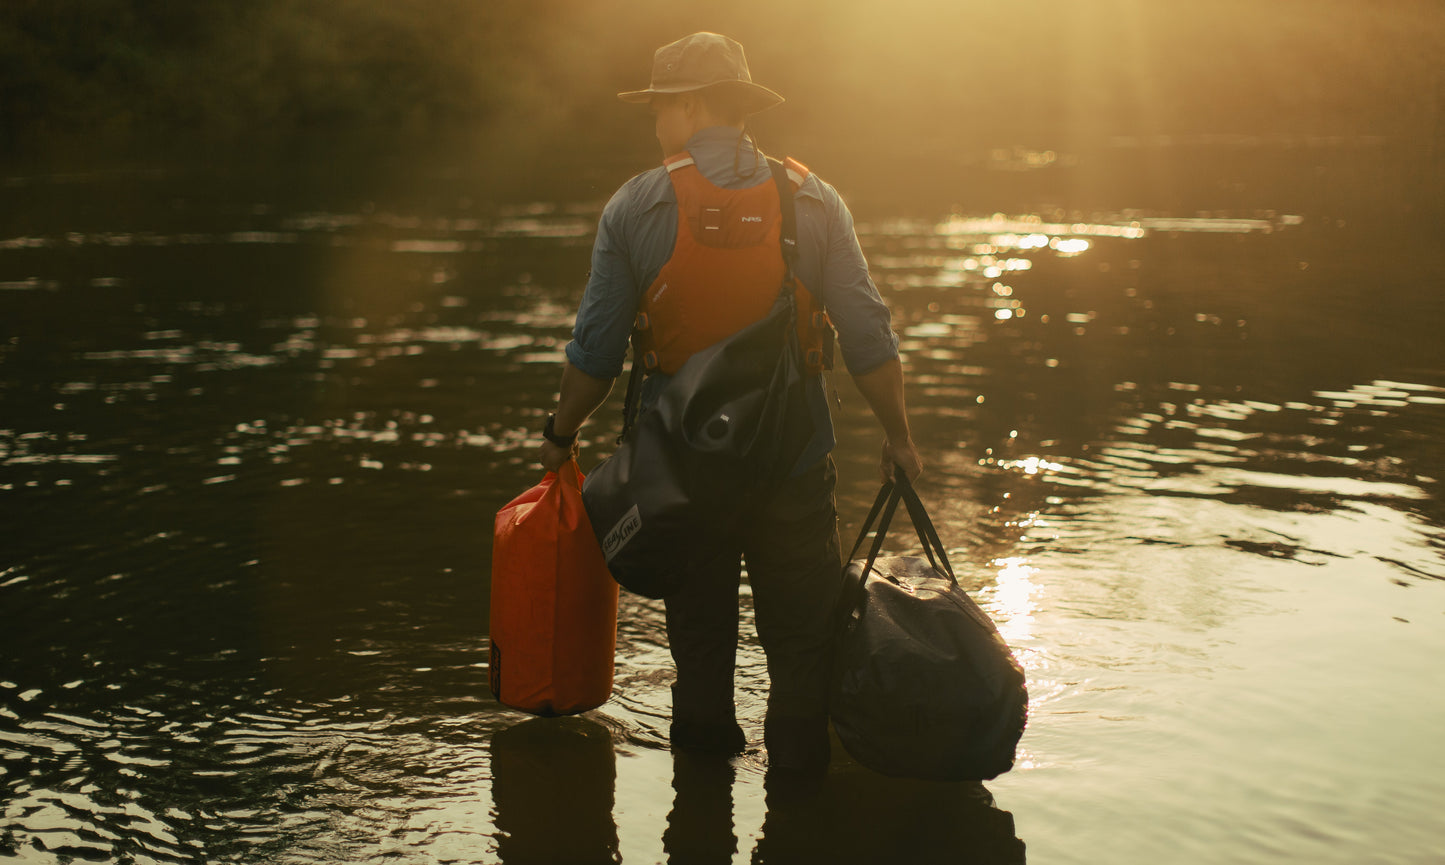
(679, 160)
(789, 234)
(797, 171)
(816, 328)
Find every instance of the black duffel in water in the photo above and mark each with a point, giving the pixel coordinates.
(925, 686)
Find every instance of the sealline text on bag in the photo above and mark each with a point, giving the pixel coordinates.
(924, 685)
(554, 606)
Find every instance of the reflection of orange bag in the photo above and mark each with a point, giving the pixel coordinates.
(554, 606)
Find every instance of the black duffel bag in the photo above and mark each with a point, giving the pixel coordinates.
(726, 430)
(924, 685)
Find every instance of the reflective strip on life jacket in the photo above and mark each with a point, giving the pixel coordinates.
(724, 273)
(797, 171)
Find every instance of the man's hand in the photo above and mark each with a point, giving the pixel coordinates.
(580, 396)
(553, 457)
(905, 456)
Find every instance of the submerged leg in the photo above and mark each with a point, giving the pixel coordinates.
(794, 566)
(702, 633)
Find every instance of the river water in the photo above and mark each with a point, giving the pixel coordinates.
(252, 439)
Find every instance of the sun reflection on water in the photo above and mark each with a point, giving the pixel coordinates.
(1029, 466)
(1011, 599)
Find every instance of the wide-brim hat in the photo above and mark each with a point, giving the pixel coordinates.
(700, 61)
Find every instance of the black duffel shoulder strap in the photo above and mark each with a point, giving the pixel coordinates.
(896, 490)
(923, 525)
(885, 496)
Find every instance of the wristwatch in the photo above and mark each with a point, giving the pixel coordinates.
(549, 432)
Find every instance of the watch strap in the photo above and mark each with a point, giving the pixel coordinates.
(549, 432)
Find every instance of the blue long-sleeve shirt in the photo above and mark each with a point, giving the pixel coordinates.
(635, 237)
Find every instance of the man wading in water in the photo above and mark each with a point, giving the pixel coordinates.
(701, 95)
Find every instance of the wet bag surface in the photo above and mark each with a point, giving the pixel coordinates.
(925, 685)
(554, 606)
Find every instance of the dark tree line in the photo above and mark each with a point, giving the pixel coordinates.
(1050, 72)
(120, 65)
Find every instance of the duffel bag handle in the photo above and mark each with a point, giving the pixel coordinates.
(923, 524)
(900, 489)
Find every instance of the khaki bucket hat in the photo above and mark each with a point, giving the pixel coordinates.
(704, 60)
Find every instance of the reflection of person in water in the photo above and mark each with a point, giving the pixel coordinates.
(862, 817)
(856, 816)
(553, 781)
(552, 785)
(700, 827)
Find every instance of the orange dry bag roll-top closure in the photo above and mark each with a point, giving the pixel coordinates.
(554, 605)
(724, 273)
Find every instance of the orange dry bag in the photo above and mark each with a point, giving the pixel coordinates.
(554, 606)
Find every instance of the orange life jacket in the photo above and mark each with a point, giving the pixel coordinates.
(724, 274)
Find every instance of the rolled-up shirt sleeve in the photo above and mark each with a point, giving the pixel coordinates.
(865, 336)
(609, 303)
